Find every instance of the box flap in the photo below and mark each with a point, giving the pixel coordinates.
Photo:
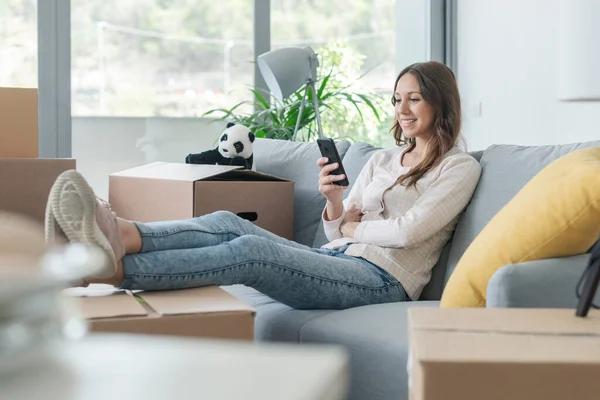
(175, 171)
(245, 175)
(505, 320)
(208, 299)
(503, 335)
(119, 304)
(468, 347)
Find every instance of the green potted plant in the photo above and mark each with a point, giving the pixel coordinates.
(344, 111)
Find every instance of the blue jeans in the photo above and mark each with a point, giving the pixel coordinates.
(224, 249)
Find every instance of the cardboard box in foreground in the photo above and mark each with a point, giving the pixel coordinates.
(18, 122)
(170, 191)
(493, 354)
(207, 312)
(25, 183)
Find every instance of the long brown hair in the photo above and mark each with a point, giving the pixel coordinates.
(440, 91)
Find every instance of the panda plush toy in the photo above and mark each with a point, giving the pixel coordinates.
(235, 148)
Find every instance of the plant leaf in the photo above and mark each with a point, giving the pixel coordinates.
(371, 106)
(261, 99)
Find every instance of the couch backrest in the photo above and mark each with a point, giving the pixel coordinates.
(297, 161)
(505, 170)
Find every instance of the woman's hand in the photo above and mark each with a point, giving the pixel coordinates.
(332, 192)
(348, 229)
(351, 220)
(353, 214)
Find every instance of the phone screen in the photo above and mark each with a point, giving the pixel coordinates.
(328, 150)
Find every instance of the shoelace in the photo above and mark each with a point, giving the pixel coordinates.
(106, 205)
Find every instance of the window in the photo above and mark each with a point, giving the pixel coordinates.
(358, 37)
(143, 72)
(364, 28)
(172, 58)
(18, 43)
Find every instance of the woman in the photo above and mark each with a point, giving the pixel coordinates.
(385, 237)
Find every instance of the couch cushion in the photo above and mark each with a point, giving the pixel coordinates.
(505, 170)
(556, 214)
(297, 161)
(274, 322)
(476, 155)
(434, 288)
(377, 339)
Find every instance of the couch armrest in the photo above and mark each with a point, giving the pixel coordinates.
(546, 283)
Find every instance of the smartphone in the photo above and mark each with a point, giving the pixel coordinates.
(328, 149)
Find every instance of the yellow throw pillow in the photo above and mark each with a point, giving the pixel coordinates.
(556, 214)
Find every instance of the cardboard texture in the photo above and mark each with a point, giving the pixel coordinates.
(18, 123)
(207, 312)
(25, 183)
(493, 354)
(169, 191)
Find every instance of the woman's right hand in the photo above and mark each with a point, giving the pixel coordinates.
(332, 192)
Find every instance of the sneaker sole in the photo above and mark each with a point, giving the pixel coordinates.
(72, 205)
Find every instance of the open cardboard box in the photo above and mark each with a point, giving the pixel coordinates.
(163, 191)
(207, 312)
(493, 354)
(25, 180)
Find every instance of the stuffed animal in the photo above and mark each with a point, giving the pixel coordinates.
(235, 148)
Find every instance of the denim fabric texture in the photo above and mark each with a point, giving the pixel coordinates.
(224, 249)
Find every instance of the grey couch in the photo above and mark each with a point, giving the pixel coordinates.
(376, 336)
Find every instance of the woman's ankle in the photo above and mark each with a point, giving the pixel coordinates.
(115, 280)
(130, 235)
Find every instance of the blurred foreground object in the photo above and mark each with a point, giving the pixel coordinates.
(35, 318)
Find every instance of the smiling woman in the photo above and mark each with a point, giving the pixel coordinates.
(415, 116)
(384, 238)
(428, 117)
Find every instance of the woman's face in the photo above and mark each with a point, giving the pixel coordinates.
(413, 113)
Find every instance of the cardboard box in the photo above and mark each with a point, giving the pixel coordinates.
(25, 183)
(169, 191)
(493, 354)
(208, 312)
(18, 123)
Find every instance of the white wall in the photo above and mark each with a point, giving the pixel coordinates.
(507, 52)
(103, 145)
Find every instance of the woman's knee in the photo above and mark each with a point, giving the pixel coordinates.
(249, 241)
(224, 215)
(219, 218)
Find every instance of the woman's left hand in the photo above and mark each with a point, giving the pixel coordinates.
(348, 228)
(353, 214)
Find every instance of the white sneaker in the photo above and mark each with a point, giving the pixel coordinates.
(84, 218)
